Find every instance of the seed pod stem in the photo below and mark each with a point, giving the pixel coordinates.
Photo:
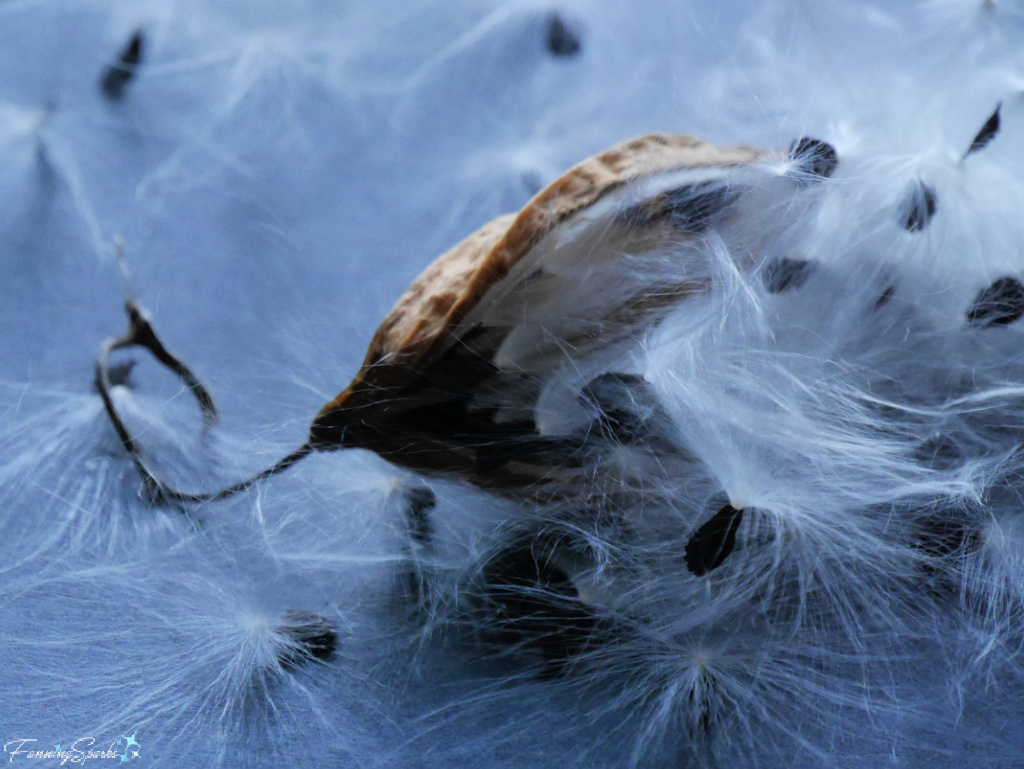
(141, 334)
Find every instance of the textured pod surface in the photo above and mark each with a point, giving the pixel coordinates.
(459, 367)
(425, 320)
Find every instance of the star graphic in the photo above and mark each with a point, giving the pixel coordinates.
(131, 741)
(56, 748)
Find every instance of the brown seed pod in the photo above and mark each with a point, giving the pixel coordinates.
(454, 376)
(509, 361)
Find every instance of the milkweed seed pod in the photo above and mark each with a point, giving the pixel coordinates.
(510, 361)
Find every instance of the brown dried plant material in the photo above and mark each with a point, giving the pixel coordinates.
(449, 338)
(424, 317)
(489, 366)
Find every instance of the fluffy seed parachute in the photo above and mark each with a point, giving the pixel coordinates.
(662, 333)
(709, 456)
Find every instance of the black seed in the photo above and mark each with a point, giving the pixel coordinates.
(700, 703)
(783, 274)
(692, 207)
(998, 305)
(943, 542)
(885, 297)
(514, 444)
(918, 207)
(986, 134)
(814, 157)
(711, 544)
(943, 538)
(420, 501)
(314, 637)
(623, 404)
(120, 74)
(560, 39)
(532, 602)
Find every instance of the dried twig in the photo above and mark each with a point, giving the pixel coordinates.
(141, 334)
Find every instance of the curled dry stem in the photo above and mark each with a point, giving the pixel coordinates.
(157, 490)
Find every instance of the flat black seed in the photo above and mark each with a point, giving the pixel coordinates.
(415, 582)
(943, 542)
(532, 602)
(815, 157)
(986, 134)
(315, 638)
(120, 74)
(692, 207)
(918, 207)
(695, 206)
(998, 305)
(885, 297)
(561, 40)
(784, 274)
(420, 501)
(941, 538)
(493, 454)
(623, 404)
(714, 541)
(700, 722)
